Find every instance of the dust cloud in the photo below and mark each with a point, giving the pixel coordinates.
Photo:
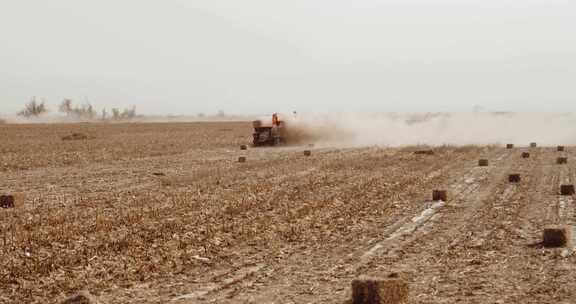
(468, 128)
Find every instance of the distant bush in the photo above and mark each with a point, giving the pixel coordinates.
(33, 109)
(125, 114)
(87, 112)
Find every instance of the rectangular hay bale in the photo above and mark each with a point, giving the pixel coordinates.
(509, 146)
(7, 201)
(533, 145)
(11, 201)
(483, 163)
(514, 178)
(525, 155)
(424, 152)
(440, 195)
(379, 291)
(560, 148)
(567, 189)
(561, 160)
(557, 236)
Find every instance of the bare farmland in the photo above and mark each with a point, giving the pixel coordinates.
(155, 213)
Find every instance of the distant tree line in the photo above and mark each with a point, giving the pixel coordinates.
(87, 111)
(33, 108)
(83, 111)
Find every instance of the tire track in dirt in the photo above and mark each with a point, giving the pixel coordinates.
(460, 207)
(467, 186)
(566, 203)
(569, 210)
(548, 269)
(311, 281)
(432, 244)
(477, 254)
(566, 210)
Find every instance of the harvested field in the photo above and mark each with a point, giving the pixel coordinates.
(156, 213)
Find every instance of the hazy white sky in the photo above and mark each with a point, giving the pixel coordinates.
(259, 56)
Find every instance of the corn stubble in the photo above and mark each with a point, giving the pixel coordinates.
(206, 216)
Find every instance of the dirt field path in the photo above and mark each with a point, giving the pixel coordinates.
(484, 249)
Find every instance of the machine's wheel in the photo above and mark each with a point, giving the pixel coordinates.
(256, 139)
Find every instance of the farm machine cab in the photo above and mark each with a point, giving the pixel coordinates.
(269, 134)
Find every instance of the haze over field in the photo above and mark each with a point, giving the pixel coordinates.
(260, 56)
(480, 128)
